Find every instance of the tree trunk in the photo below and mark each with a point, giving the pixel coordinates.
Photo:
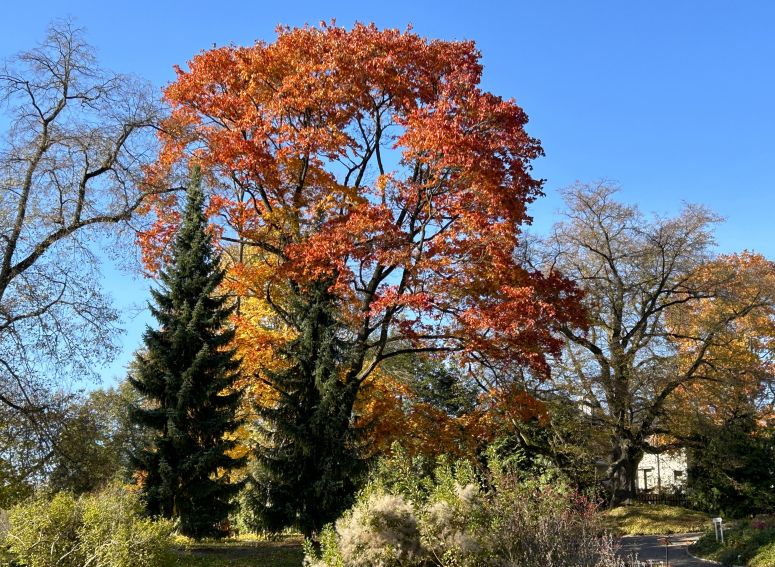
(623, 471)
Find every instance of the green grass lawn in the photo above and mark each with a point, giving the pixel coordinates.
(746, 542)
(654, 519)
(285, 552)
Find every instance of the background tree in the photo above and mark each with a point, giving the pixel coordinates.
(432, 408)
(731, 469)
(435, 383)
(23, 459)
(95, 441)
(186, 378)
(71, 159)
(664, 313)
(560, 438)
(365, 178)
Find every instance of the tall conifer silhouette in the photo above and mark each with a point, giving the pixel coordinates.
(186, 374)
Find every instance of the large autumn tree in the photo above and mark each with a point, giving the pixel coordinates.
(373, 195)
(674, 328)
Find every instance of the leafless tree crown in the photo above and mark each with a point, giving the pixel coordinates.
(71, 159)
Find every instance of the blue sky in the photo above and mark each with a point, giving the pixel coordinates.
(673, 100)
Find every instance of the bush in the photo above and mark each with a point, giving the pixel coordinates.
(447, 519)
(44, 533)
(114, 532)
(382, 530)
(102, 530)
(749, 541)
(535, 524)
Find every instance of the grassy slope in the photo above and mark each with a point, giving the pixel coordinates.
(745, 544)
(654, 519)
(284, 553)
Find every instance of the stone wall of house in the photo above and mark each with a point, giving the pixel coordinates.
(663, 473)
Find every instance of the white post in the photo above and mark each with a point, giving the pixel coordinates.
(718, 527)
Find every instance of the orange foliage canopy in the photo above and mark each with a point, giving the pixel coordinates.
(389, 411)
(369, 160)
(735, 367)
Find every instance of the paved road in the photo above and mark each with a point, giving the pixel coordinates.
(647, 548)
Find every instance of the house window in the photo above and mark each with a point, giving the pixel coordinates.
(646, 473)
(678, 475)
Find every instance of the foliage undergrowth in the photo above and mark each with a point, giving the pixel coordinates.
(102, 530)
(654, 519)
(750, 542)
(456, 516)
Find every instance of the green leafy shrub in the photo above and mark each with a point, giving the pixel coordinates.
(750, 541)
(44, 532)
(102, 530)
(327, 554)
(114, 532)
(449, 518)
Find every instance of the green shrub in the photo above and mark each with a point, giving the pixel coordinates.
(328, 553)
(446, 518)
(749, 541)
(102, 530)
(114, 532)
(44, 533)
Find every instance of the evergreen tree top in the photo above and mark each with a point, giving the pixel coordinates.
(193, 239)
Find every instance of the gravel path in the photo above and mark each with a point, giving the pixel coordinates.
(652, 548)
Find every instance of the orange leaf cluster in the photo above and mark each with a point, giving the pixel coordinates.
(389, 411)
(732, 328)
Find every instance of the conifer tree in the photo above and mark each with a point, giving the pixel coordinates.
(307, 465)
(186, 375)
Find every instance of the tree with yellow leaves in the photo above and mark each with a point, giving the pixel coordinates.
(671, 325)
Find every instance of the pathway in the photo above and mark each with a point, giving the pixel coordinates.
(652, 548)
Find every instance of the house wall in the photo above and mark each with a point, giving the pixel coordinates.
(665, 472)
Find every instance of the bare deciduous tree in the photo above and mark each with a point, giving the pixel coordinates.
(644, 279)
(71, 163)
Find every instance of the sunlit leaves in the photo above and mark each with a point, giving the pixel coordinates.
(370, 164)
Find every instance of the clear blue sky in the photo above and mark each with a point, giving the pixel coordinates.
(673, 100)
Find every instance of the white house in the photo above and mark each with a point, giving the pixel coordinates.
(661, 473)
